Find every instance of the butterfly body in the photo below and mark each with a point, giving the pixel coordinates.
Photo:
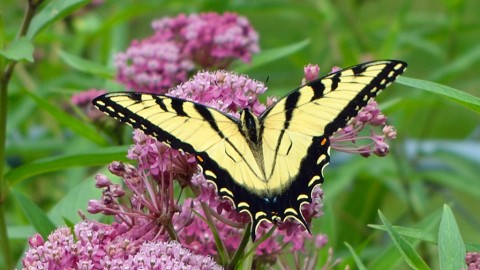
(268, 165)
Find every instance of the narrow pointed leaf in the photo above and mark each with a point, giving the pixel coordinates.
(408, 253)
(51, 12)
(450, 244)
(463, 98)
(92, 158)
(36, 216)
(356, 258)
(78, 126)
(86, 65)
(20, 49)
(409, 232)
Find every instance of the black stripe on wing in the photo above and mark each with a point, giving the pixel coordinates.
(389, 73)
(137, 121)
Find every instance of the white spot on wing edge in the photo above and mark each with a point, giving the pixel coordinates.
(227, 191)
(315, 179)
(210, 173)
(100, 102)
(259, 215)
(321, 158)
(243, 204)
(302, 197)
(290, 210)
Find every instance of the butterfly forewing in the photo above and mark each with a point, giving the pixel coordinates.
(215, 138)
(296, 129)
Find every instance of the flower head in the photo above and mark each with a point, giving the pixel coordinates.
(222, 90)
(210, 39)
(311, 73)
(160, 160)
(473, 260)
(182, 44)
(98, 246)
(371, 116)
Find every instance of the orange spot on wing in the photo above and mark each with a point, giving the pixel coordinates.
(200, 159)
(324, 141)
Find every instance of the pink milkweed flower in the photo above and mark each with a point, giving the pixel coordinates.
(183, 44)
(94, 245)
(370, 115)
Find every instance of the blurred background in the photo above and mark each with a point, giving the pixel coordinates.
(434, 161)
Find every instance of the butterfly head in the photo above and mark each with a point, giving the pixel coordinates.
(250, 126)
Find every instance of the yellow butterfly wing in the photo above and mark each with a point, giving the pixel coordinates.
(297, 128)
(272, 180)
(220, 147)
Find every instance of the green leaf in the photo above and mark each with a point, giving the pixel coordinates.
(357, 259)
(53, 11)
(409, 232)
(77, 198)
(93, 158)
(450, 244)
(78, 126)
(86, 65)
(456, 95)
(412, 258)
(19, 49)
(388, 257)
(39, 219)
(20, 232)
(270, 56)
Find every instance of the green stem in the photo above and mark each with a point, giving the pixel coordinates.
(3, 127)
(5, 76)
(222, 250)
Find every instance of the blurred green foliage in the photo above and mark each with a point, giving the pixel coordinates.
(434, 161)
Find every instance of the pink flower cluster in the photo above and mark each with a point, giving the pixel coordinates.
(161, 161)
(372, 116)
(182, 44)
(98, 246)
(222, 90)
(473, 260)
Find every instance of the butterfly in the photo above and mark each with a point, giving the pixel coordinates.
(266, 165)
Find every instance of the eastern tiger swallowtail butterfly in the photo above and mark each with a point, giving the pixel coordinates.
(267, 165)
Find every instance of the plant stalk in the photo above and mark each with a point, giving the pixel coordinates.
(5, 76)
